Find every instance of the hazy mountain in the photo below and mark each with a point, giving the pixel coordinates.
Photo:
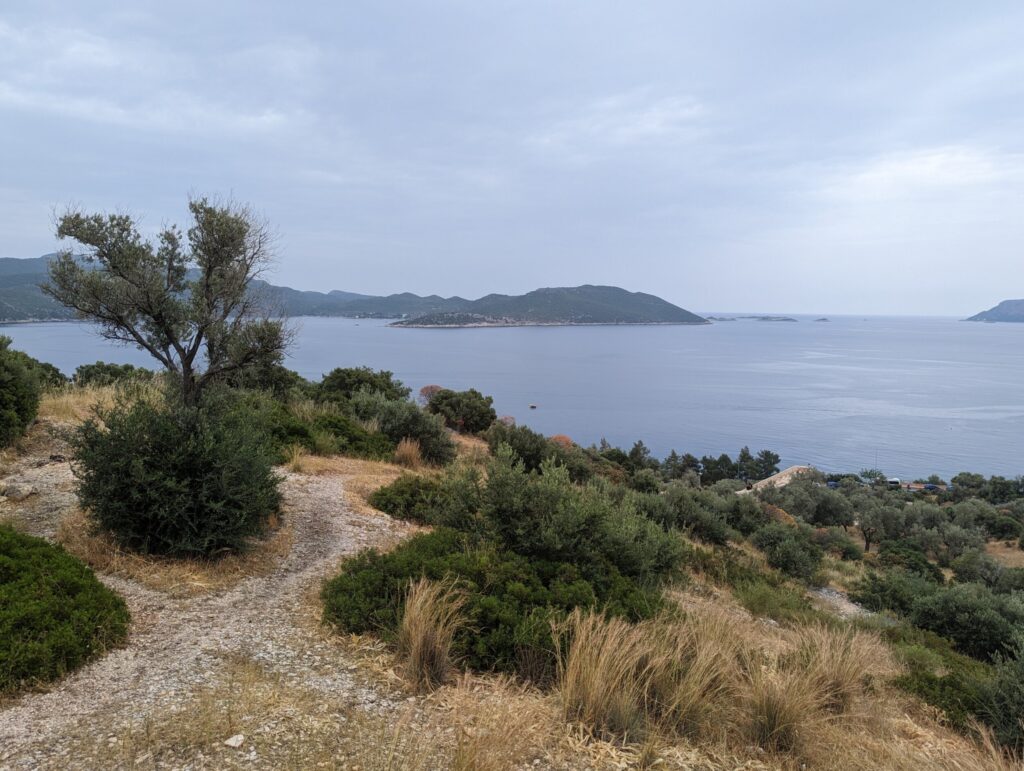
(1007, 310)
(22, 300)
(561, 305)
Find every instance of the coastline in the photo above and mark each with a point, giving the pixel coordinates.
(400, 325)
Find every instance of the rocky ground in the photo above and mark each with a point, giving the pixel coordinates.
(179, 645)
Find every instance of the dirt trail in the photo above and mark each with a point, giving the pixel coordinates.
(178, 644)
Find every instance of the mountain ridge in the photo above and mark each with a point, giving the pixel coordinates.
(21, 299)
(1007, 310)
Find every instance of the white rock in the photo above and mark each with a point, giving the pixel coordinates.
(17, 492)
(235, 741)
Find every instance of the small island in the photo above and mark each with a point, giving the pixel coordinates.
(558, 306)
(1007, 310)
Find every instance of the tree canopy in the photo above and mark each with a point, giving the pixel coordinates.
(187, 300)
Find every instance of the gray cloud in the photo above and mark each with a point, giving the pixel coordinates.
(848, 157)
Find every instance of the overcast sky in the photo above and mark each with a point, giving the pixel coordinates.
(800, 156)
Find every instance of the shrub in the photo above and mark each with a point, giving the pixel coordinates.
(19, 393)
(399, 419)
(510, 600)
(1005, 529)
(895, 590)
(345, 382)
(909, 556)
(789, 549)
(693, 511)
(410, 497)
(1000, 702)
(54, 614)
(103, 374)
(531, 448)
(430, 618)
(980, 623)
(838, 542)
(779, 602)
(465, 411)
(177, 480)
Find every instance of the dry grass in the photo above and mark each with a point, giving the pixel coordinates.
(408, 454)
(694, 672)
(841, 662)
(176, 577)
(604, 675)
(780, 707)
(1008, 554)
(471, 449)
(431, 617)
(361, 477)
(74, 404)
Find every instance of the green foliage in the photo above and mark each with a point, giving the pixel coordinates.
(19, 393)
(694, 511)
(400, 419)
(908, 556)
(453, 500)
(187, 299)
(1005, 529)
(980, 623)
(409, 497)
(789, 549)
(177, 480)
(510, 600)
(272, 377)
(343, 383)
(776, 601)
(102, 374)
(896, 590)
(54, 614)
(837, 541)
(467, 412)
(1001, 699)
(327, 432)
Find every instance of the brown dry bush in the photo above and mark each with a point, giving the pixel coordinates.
(408, 454)
(431, 617)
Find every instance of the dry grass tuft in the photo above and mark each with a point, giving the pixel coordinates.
(840, 662)
(1008, 555)
(471, 449)
(431, 617)
(604, 676)
(74, 404)
(176, 577)
(408, 454)
(694, 672)
(781, 706)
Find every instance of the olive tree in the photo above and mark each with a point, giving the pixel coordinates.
(188, 299)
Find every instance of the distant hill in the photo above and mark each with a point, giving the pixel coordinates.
(22, 300)
(560, 305)
(1007, 310)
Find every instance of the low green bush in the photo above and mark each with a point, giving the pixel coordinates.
(779, 602)
(910, 557)
(789, 549)
(103, 374)
(467, 412)
(981, 623)
(54, 614)
(837, 541)
(411, 497)
(19, 393)
(343, 383)
(695, 512)
(400, 419)
(176, 480)
(510, 599)
(1000, 702)
(894, 589)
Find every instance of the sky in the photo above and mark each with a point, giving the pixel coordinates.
(796, 156)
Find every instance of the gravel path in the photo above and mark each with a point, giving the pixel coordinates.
(178, 645)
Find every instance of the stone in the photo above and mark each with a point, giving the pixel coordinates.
(16, 492)
(235, 741)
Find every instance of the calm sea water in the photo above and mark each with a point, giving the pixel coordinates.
(909, 395)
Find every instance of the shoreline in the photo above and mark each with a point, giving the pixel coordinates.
(500, 325)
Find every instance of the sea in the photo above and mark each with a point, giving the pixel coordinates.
(911, 396)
